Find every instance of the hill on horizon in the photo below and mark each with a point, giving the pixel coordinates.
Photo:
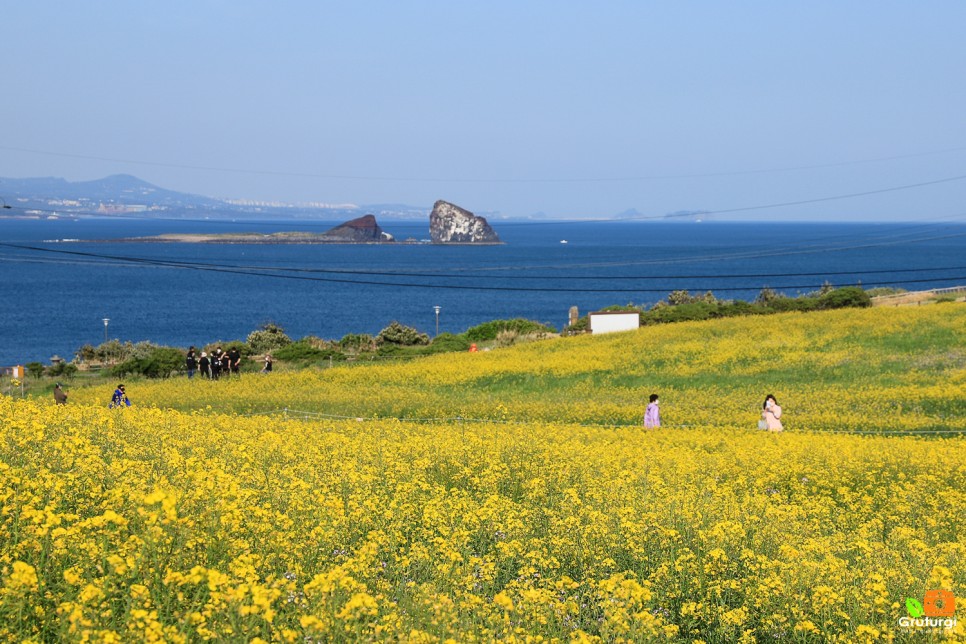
(126, 193)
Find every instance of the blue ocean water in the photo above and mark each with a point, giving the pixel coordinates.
(55, 298)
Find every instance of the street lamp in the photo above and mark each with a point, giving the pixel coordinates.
(106, 320)
(437, 308)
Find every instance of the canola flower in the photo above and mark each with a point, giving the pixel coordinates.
(152, 524)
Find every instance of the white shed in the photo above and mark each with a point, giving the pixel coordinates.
(610, 321)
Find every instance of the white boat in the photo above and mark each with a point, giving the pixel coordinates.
(563, 241)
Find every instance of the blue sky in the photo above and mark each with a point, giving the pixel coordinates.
(570, 109)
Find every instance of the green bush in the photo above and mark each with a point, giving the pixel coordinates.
(783, 304)
(357, 343)
(307, 350)
(115, 351)
(578, 327)
(847, 296)
(735, 308)
(699, 310)
(446, 342)
(401, 335)
(34, 369)
(268, 338)
(488, 331)
(160, 363)
(62, 370)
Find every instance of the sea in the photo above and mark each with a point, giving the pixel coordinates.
(63, 284)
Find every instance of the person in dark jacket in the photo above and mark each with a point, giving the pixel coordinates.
(225, 364)
(216, 363)
(59, 395)
(234, 359)
(268, 364)
(191, 362)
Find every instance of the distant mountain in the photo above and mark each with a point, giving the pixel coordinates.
(123, 194)
(117, 188)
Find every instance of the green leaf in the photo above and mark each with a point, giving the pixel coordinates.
(914, 607)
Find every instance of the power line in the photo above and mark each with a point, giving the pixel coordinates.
(120, 260)
(224, 268)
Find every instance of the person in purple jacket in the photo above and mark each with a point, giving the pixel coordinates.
(652, 417)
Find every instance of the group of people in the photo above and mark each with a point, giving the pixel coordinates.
(771, 414)
(219, 363)
(213, 366)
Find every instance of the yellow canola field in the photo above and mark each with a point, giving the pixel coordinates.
(158, 525)
(151, 524)
(858, 369)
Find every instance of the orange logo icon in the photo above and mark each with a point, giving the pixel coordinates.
(939, 603)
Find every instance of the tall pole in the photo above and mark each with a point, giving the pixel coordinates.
(106, 320)
(437, 308)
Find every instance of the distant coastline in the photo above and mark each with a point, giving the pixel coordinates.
(255, 238)
(273, 239)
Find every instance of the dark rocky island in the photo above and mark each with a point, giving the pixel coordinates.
(363, 230)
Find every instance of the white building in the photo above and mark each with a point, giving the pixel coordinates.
(610, 321)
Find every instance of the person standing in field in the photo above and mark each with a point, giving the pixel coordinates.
(60, 397)
(205, 364)
(216, 363)
(191, 362)
(234, 359)
(225, 364)
(268, 364)
(652, 416)
(771, 413)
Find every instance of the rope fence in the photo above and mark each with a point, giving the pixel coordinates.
(306, 415)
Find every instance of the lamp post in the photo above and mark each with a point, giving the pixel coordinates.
(106, 320)
(437, 308)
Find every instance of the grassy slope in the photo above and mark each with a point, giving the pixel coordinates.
(876, 369)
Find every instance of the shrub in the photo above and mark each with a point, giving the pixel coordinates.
(401, 335)
(847, 296)
(737, 307)
(307, 350)
(699, 310)
(62, 370)
(782, 304)
(357, 343)
(489, 330)
(767, 295)
(160, 363)
(449, 342)
(268, 338)
(114, 351)
(578, 327)
(34, 369)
